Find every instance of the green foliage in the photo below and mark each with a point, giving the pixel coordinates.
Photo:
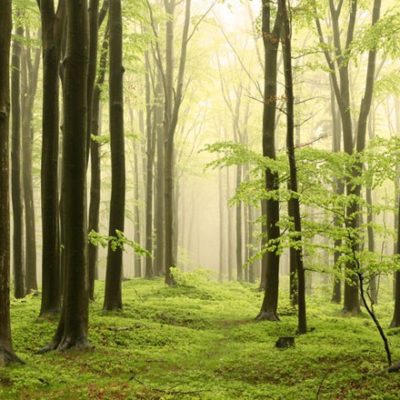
(119, 241)
(319, 172)
(204, 340)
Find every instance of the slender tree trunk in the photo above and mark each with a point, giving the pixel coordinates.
(160, 185)
(52, 30)
(294, 200)
(252, 266)
(95, 165)
(72, 329)
(339, 189)
(239, 235)
(113, 295)
(6, 349)
(30, 71)
(221, 228)
(150, 147)
(230, 228)
(16, 173)
(271, 231)
(171, 117)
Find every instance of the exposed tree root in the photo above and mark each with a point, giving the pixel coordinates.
(67, 343)
(267, 316)
(7, 357)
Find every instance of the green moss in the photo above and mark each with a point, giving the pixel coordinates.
(199, 340)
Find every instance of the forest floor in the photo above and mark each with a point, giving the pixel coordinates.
(199, 340)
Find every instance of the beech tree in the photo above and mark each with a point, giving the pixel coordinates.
(16, 173)
(72, 328)
(52, 22)
(113, 295)
(6, 349)
(271, 30)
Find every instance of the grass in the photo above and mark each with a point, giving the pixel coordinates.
(200, 341)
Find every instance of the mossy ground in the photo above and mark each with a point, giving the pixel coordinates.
(202, 342)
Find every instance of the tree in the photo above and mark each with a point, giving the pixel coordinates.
(95, 161)
(294, 208)
(354, 136)
(7, 354)
(52, 32)
(270, 207)
(113, 295)
(16, 173)
(30, 72)
(72, 328)
(150, 152)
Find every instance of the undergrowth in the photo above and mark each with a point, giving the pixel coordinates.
(199, 340)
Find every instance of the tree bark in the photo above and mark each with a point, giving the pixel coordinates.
(6, 349)
(16, 173)
(95, 165)
(30, 71)
(160, 185)
(270, 206)
(171, 117)
(150, 152)
(113, 295)
(52, 31)
(72, 328)
(293, 181)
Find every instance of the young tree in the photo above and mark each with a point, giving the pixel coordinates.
(270, 207)
(72, 328)
(113, 295)
(6, 349)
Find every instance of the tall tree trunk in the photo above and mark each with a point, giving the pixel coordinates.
(171, 117)
(137, 220)
(252, 266)
(72, 329)
(230, 228)
(30, 71)
(221, 228)
(6, 349)
(238, 224)
(341, 88)
(95, 165)
(160, 184)
(294, 200)
(270, 228)
(339, 189)
(150, 151)
(16, 173)
(113, 295)
(52, 30)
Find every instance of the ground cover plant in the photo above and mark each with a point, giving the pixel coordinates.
(200, 340)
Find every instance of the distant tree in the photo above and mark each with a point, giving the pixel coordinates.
(113, 295)
(6, 349)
